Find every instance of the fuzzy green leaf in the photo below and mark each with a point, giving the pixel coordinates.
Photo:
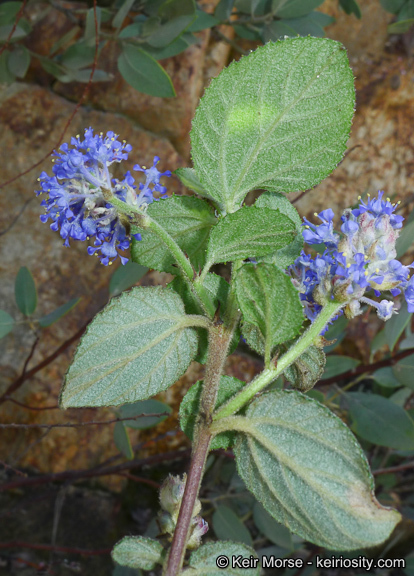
(203, 562)
(140, 344)
(287, 255)
(249, 233)
(188, 220)
(278, 119)
(138, 552)
(25, 292)
(268, 299)
(306, 468)
(189, 178)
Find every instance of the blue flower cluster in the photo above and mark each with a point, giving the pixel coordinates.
(362, 259)
(81, 181)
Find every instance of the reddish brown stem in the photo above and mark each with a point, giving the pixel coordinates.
(219, 341)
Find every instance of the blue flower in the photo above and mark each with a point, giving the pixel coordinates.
(81, 181)
(362, 259)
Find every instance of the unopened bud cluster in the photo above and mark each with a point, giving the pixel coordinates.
(361, 259)
(79, 192)
(171, 495)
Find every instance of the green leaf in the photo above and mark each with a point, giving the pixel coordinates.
(202, 21)
(223, 9)
(25, 292)
(203, 562)
(122, 13)
(285, 256)
(18, 33)
(125, 277)
(400, 27)
(217, 288)
(143, 72)
(190, 179)
(278, 119)
(8, 11)
(144, 407)
(393, 6)
(131, 31)
(90, 26)
(405, 239)
(276, 30)
(385, 377)
(380, 421)
(275, 532)
(19, 61)
(404, 370)
(189, 409)
(395, 326)
(296, 8)
(177, 15)
(138, 552)
(174, 8)
(52, 67)
(304, 465)
(6, 77)
(140, 344)
(188, 220)
(57, 314)
(336, 364)
(78, 56)
(350, 7)
(312, 24)
(176, 47)
(122, 441)
(6, 323)
(249, 233)
(227, 525)
(278, 319)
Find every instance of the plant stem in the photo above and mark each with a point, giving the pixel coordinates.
(274, 370)
(145, 221)
(219, 341)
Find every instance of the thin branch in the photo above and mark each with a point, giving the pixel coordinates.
(71, 117)
(25, 376)
(15, 219)
(393, 469)
(27, 407)
(81, 424)
(74, 475)
(229, 41)
(8, 467)
(140, 480)
(9, 37)
(369, 367)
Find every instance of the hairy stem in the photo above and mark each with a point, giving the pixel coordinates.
(219, 341)
(144, 221)
(275, 369)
